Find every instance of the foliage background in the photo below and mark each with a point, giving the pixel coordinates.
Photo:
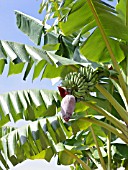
(82, 51)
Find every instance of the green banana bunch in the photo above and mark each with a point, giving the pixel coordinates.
(82, 82)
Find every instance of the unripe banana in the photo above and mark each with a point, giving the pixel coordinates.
(93, 80)
(77, 94)
(81, 70)
(89, 73)
(80, 80)
(82, 91)
(70, 82)
(81, 84)
(69, 75)
(89, 76)
(74, 78)
(85, 72)
(90, 83)
(95, 73)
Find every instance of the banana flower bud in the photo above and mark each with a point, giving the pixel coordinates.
(67, 107)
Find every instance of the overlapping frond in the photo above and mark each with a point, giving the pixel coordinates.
(28, 105)
(41, 139)
(23, 57)
(57, 51)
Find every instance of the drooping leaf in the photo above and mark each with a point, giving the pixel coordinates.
(30, 26)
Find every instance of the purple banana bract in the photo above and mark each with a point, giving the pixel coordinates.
(67, 107)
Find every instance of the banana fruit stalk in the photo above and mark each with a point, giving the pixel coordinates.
(67, 107)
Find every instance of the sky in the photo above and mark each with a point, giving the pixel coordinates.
(10, 32)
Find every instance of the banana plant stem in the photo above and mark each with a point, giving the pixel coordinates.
(109, 150)
(98, 148)
(111, 90)
(84, 165)
(115, 64)
(108, 127)
(122, 112)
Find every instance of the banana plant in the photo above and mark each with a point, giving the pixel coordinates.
(85, 122)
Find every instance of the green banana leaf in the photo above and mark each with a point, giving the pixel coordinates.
(112, 25)
(41, 139)
(23, 23)
(19, 54)
(28, 105)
